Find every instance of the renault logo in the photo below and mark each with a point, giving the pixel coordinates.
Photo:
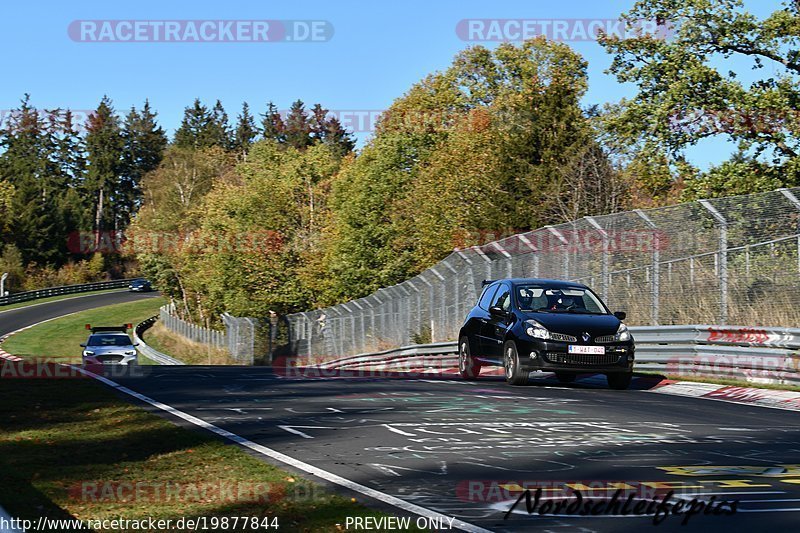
(586, 337)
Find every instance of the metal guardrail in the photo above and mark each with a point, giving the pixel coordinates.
(147, 351)
(66, 289)
(763, 355)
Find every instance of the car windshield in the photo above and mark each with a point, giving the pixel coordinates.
(109, 340)
(543, 299)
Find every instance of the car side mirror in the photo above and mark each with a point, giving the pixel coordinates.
(83, 345)
(496, 310)
(136, 344)
(622, 315)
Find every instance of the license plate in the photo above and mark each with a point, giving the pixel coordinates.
(589, 350)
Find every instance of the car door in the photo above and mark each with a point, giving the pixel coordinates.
(480, 318)
(496, 326)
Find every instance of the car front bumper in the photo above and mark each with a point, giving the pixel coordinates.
(111, 359)
(553, 356)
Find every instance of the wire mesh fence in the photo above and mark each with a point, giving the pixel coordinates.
(193, 332)
(722, 261)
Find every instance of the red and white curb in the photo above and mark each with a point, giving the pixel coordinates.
(4, 354)
(774, 399)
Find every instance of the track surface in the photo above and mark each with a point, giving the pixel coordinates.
(450, 445)
(15, 319)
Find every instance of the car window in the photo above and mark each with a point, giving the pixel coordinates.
(109, 340)
(503, 298)
(487, 295)
(558, 299)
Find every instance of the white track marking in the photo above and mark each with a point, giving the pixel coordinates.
(291, 461)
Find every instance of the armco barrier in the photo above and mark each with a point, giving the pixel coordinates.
(146, 350)
(66, 289)
(761, 355)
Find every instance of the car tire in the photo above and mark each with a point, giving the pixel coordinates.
(566, 377)
(619, 381)
(468, 368)
(515, 374)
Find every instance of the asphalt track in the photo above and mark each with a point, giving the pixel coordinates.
(464, 449)
(14, 319)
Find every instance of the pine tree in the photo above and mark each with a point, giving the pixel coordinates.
(104, 146)
(201, 128)
(28, 163)
(272, 126)
(319, 123)
(246, 131)
(219, 132)
(143, 149)
(298, 126)
(338, 137)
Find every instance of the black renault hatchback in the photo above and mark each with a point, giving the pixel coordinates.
(540, 324)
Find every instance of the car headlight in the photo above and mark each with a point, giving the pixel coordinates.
(536, 330)
(87, 352)
(623, 335)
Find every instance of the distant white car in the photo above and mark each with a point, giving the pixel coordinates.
(109, 345)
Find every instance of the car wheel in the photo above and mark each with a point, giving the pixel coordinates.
(619, 381)
(566, 377)
(468, 368)
(515, 375)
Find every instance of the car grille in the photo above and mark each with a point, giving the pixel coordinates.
(111, 358)
(582, 359)
(605, 339)
(562, 337)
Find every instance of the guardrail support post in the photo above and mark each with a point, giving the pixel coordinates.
(722, 223)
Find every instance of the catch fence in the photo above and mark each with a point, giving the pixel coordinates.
(733, 260)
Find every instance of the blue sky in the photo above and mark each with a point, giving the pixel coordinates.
(377, 52)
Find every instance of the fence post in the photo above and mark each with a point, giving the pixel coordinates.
(606, 259)
(655, 286)
(722, 223)
(796, 203)
(565, 242)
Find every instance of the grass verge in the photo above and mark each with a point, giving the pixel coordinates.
(68, 447)
(192, 353)
(29, 303)
(60, 339)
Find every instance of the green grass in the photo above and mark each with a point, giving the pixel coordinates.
(60, 339)
(192, 353)
(57, 435)
(29, 303)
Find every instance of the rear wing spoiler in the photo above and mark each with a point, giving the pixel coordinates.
(123, 328)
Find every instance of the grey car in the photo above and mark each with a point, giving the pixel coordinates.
(109, 345)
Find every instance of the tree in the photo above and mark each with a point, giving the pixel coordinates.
(739, 175)
(201, 128)
(686, 93)
(245, 133)
(272, 126)
(104, 147)
(144, 142)
(29, 162)
(298, 126)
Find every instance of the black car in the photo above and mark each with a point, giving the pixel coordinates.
(549, 325)
(140, 285)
